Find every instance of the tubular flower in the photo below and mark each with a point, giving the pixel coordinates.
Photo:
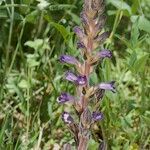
(70, 76)
(66, 117)
(108, 86)
(96, 116)
(79, 32)
(79, 80)
(68, 59)
(64, 97)
(105, 53)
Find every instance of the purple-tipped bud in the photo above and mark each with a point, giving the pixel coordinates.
(68, 59)
(82, 80)
(108, 86)
(86, 118)
(79, 80)
(84, 19)
(64, 97)
(101, 38)
(105, 53)
(96, 116)
(80, 45)
(79, 32)
(71, 77)
(67, 118)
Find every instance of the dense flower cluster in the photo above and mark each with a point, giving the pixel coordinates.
(90, 37)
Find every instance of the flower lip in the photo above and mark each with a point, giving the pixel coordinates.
(97, 116)
(81, 80)
(68, 59)
(66, 117)
(105, 53)
(108, 86)
(64, 97)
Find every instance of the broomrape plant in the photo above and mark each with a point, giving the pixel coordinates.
(87, 99)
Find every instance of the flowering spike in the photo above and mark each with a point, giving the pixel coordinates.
(96, 116)
(108, 86)
(66, 117)
(105, 53)
(64, 97)
(90, 36)
(68, 59)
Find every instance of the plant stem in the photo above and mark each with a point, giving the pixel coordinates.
(10, 37)
(17, 47)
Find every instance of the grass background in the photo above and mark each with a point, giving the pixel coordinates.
(33, 34)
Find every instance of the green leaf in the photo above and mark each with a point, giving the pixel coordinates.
(32, 17)
(1, 1)
(61, 7)
(3, 13)
(132, 60)
(92, 145)
(39, 45)
(140, 64)
(32, 60)
(143, 23)
(93, 78)
(61, 29)
(43, 4)
(23, 84)
(134, 35)
(121, 5)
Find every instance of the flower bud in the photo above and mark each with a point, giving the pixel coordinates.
(68, 59)
(67, 118)
(64, 97)
(70, 76)
(96, 116)
(82, 80)
(86, 118)
(105, 53)
(80, 45)
(108, 86)
(101, 38)
(79, 32)
(79, 80)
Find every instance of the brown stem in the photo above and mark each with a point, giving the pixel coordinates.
(83, 144)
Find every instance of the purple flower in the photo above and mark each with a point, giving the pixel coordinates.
(105, 53)
(80, 80)
(84, 19)
(79, 32)
(68, 59)
(71, 77)
(67, 118)
(108, 86)
(64, 97)
(97, 116)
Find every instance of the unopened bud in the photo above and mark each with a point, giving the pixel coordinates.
(86, 118)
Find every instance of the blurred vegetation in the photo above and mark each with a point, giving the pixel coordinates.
(33, 33)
